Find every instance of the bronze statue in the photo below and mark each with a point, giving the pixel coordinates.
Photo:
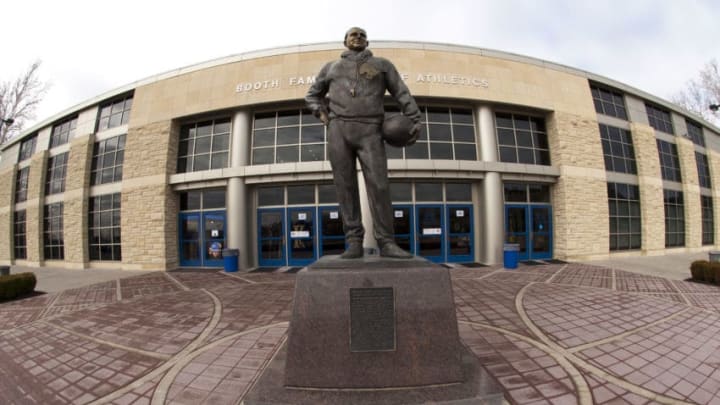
(347, 97)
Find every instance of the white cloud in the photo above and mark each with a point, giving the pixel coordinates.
(89, 47)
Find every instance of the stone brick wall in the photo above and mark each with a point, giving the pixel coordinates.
(652, 206)
(77, 182)
(149, 206)
(34, 207)
(580, 208)
(7, 184)
(691, 193)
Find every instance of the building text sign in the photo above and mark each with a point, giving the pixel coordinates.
(449, 79)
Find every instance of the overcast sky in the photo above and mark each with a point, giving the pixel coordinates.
(89, 47)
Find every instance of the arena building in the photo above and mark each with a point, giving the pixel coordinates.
(167, 171)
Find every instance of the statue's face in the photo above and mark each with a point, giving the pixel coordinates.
(356, 39)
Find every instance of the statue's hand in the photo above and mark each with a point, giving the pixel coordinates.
(324, 118)
(415, 131)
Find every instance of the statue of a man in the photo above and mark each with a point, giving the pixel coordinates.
(347, 97)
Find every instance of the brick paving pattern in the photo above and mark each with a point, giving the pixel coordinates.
(549, 334)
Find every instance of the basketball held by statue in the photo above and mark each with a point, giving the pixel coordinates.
(396, 131)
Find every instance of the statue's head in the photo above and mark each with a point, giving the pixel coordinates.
(356, 39)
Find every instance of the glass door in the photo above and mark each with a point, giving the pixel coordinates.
(516, 228)
(430, 241)
(460, 233)
(301, 234)
(403, 227)
(332, 237)
(271, 237)
(190, 252)
(213, 238)
(541, 237)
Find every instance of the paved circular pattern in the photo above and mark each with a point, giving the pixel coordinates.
(551, 334)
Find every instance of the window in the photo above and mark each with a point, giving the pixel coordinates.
(56, 170)
(115, 113)
(522, 139)
(674, 218)
(708, 223)
(446, 133)
(62, 132)
(659, 118)
(107, 162)
(27, 148)
(526, 193)
(618, 149)
(669, 161)
(198, 200)
(608, 102)
(703, 168)
(19, 235)
(287, 136)
(104, 227)
(624, 208)
(53, 239)
(695, 133)
(268, 196)
(204, 146)
(21, 184)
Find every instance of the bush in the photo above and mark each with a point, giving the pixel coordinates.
(698, 270)
(16, 285)
(715, 270)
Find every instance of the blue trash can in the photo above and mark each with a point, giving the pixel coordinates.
(511, 255)
(230, 260)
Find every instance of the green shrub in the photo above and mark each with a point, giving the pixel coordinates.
(699, 269)
(16, 285)
(715, 270)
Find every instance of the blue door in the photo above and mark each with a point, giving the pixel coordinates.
(271, 237)
(460, 243)
(202, 238)
(403, 227)
(331, 238)
(430, 236)
(301, 236)
(530, 226)
(190, 240)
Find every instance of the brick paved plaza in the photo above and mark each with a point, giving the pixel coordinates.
(549, 334)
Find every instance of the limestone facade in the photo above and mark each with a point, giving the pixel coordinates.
(7, 182)
(77, 186)
(34, 208)
(691, 193)
(652, 207)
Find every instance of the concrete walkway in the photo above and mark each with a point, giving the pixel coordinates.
(549, 334)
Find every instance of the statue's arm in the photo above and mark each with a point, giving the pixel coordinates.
(315, 97)
(401, 93)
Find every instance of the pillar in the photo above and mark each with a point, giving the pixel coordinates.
(491, 208)
(237, 195)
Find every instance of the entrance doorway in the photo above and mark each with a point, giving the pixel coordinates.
(202, 238)
(530, 226)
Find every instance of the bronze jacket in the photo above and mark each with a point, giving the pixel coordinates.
(355, 86)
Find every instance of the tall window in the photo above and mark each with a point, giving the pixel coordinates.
(27, 148)
(703, 168)
(708, 222)
(21, 184)
(446, 133)
(625, 225)
(287, 136)
(107, 162)
(659, 118)
(522, 139)
(19, 235)
(695, 133)
(674, 218)
(56, 170)
(618, 149)
(608, 102)
(669, 161)
(115, 113)
(53, 239)
(104, 227)
(204, 146)
(62, 132)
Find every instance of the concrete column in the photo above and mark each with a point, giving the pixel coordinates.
(237, 197)
(493, 232)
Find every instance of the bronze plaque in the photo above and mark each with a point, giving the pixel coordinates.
(372, 319)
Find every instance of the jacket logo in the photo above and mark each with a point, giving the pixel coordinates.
(368, 71)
